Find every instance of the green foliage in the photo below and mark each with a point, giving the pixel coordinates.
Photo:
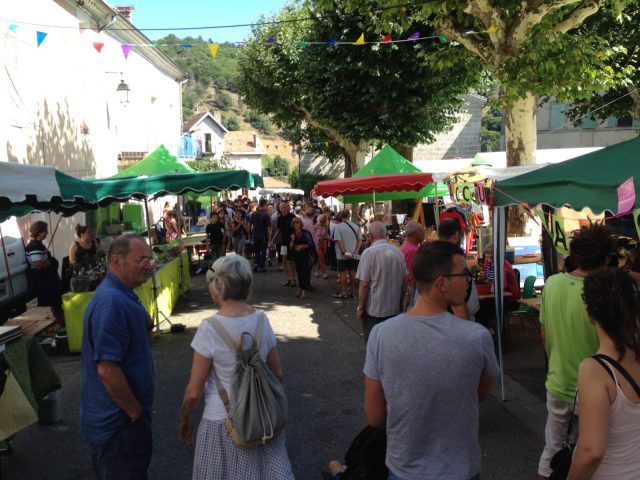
(351, 95)
(265, 164)
(279, 167)
(223, 100)
(306, 181)
(209, 165)
(230, 121)
(535, 49)
(618, 102)
(259, 121)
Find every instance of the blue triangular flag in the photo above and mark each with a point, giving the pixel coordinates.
(332, 42)
(41, 36)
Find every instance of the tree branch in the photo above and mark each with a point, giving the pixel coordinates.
(534, 15)
(577, 17)
(472, 43)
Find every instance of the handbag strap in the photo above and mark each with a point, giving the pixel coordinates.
(352, 229)
(600, 357)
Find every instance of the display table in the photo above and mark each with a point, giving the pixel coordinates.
(170, 286)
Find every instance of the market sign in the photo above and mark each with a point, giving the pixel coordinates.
(555, 227)
(465, 193)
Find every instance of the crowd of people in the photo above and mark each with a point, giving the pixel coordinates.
(416, 303)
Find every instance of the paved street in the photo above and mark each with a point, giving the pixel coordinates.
(322, 355)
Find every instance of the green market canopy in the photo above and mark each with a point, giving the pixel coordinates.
(25, 188)
(158, 162)
(597, 180)
(388, 162)
(121, 189)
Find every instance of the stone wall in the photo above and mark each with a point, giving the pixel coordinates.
(463, 140)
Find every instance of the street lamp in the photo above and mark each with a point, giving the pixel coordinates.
(123, 92)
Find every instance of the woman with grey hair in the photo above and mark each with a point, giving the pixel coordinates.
(216, 455)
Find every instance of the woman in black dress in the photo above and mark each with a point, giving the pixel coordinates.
(302, 248)
(44, 272)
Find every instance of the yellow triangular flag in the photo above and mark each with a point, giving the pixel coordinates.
(213, 48)
(360, 40)
(492, 29)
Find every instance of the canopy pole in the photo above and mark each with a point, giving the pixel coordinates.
(436, 210)
(499, 239)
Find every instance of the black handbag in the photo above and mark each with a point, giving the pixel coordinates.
(561, 461)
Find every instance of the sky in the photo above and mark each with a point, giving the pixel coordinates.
(198, 13)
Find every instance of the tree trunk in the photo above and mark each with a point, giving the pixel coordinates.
(405, 150)
(354, 158)
(520, 131)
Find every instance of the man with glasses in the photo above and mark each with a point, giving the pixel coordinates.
(426, 372)
(117, 366)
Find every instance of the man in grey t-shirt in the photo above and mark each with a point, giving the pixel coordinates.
(426, 372)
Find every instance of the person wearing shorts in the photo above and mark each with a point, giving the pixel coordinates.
(347, 239)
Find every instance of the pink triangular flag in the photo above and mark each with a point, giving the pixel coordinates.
(126, 48)
(98, 46)
(626, 196)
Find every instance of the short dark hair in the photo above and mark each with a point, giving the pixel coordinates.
(262, 202)
(37, 228)
(432, 261)
(344, 214)
(121, 245)
(591, 246)
(612, 300)
(448, 228)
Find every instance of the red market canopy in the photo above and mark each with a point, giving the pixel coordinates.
(398, 182)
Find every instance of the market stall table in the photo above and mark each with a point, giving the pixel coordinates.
(170, 282)
(33, 321)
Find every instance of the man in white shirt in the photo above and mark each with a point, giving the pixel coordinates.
(347, 237)
(382, 275)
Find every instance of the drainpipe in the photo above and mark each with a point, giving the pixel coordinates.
(181, 119)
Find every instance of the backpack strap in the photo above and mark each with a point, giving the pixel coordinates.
(226, 338)
(621, 369)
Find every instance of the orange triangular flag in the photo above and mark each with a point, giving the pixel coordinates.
(360, 40)
(387, 38)
(98, 46)
(213, 48)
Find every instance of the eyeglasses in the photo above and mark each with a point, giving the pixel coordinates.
(466, 273)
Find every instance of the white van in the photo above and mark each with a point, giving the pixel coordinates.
(15, 290)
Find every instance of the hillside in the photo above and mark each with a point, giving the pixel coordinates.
(212, 87)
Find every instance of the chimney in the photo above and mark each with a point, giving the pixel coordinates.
(255, 140)
(218, 116)
(125, 11)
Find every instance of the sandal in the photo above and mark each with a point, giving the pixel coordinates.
(287, 283)
(341, 296)
(325, 276)
(292, 283)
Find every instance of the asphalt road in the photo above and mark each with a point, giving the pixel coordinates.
(322, 355)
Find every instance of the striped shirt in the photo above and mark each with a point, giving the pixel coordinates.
(382, 265)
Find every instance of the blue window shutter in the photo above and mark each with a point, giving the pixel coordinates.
(588, 122)
(636, 123)
(557, 116)
(612, 122)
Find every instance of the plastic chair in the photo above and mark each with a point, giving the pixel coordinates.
(526, 312)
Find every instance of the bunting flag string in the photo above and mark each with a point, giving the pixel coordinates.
(213, 47)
